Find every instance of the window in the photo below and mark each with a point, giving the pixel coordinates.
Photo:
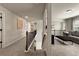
(75, 25)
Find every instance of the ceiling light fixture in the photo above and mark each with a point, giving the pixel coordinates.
(69, 10)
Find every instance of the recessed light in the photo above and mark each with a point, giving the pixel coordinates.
(26, 17)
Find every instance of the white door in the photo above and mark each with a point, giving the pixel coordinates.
(0, 30)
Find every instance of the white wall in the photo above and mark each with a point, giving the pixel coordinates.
(39, 34)
(47, 43)
(56, 22)
(38, 37)
(10, 32)
(44, 21)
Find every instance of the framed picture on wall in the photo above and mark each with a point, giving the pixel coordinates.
(20, 23)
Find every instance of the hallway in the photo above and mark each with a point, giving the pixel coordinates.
(14, 49)
(19, 19)
(18, 48)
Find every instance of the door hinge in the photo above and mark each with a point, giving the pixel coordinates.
(1, 17)
(0, 41)
(0, 29)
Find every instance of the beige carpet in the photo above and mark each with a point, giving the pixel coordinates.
(18, 48)
(22, 53)
(64, 50)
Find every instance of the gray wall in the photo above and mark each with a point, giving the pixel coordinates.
(69, 24)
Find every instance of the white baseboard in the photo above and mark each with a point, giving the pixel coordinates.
(9, 43)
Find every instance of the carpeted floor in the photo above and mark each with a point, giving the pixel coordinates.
(17, 49)
(64, 50)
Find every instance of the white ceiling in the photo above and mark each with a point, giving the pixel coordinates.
(26, 9)
(59, 10)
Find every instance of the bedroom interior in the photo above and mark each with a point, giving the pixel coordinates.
(65, 29)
